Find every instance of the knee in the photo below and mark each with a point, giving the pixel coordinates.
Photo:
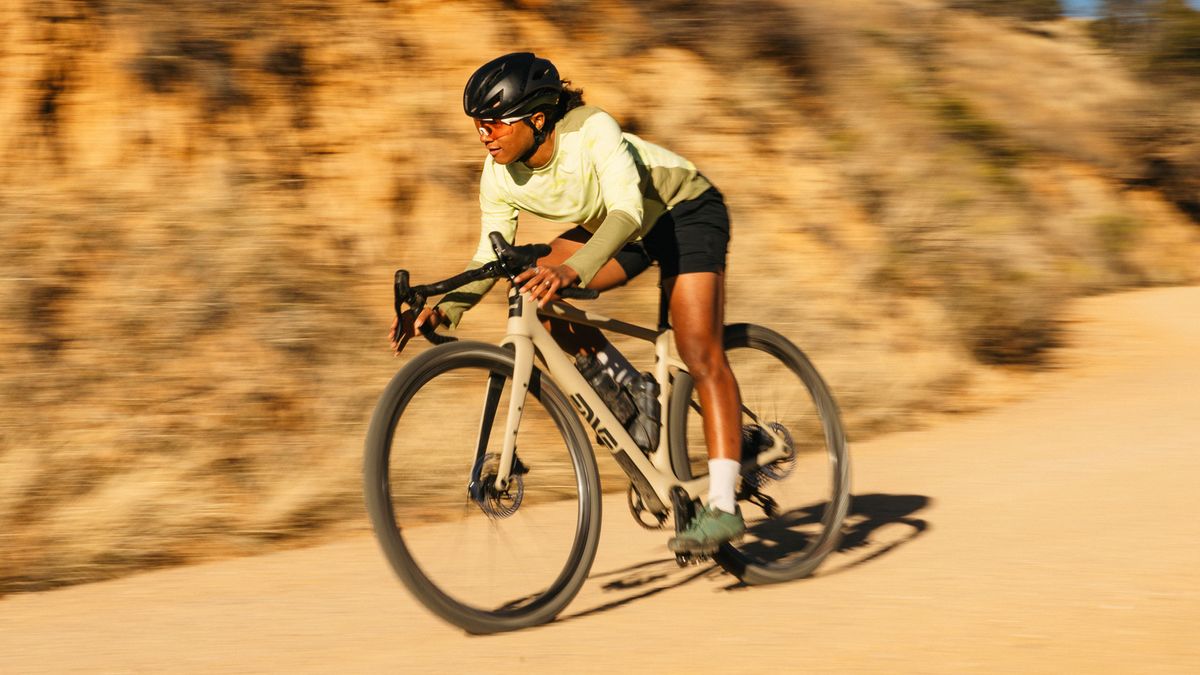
(704, 357)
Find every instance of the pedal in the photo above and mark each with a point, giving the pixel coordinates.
(691, 559)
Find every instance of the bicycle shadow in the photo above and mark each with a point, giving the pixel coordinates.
(862, 539)
(773, 540)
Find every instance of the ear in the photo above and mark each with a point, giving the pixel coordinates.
(539, 120)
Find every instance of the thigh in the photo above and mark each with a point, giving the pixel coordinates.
(629, 262)
(697, 303)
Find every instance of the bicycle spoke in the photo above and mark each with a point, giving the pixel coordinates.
(794, 504)
(491, 560)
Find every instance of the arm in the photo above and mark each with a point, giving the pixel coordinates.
(498, 215)
(620, 187)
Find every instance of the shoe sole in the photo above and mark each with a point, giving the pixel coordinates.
(695, 549)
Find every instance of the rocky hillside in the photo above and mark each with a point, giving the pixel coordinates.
(201, 204)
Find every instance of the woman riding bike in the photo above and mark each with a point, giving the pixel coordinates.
(551, 155)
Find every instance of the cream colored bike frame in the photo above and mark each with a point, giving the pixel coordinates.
(653, 477)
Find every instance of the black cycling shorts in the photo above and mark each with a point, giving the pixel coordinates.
(691, 237)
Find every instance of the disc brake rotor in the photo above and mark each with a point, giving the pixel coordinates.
(497, 504)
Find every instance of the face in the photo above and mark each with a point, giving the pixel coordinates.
(507, 142)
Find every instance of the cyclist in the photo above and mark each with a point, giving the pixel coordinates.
(551, 155)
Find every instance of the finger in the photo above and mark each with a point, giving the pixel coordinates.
(528, 281)
(548, 292)
(534, 285)
(528, 274)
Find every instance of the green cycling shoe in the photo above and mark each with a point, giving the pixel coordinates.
(710, 528)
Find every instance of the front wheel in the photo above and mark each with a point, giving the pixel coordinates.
(794, 507)
(482, 558)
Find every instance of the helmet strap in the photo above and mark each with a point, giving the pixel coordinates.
(539, 137)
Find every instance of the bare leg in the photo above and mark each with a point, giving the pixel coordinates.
(697, 302)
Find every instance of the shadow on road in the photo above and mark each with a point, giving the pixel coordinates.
(876, 525)
(651, 578)
(865, 535)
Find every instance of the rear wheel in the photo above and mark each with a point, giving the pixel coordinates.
(487, 560)
(794, 506)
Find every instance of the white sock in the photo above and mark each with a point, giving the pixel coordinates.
(722, 479)
(615, 363)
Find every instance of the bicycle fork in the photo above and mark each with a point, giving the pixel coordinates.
(522, 372)
(491, 401)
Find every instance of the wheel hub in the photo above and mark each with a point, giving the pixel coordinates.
(783, 467)
(500, 504)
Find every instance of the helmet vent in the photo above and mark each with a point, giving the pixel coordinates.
(512, 85)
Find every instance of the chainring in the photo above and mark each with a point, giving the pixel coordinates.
(640, 513)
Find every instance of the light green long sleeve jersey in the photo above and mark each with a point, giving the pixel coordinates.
(613, 184)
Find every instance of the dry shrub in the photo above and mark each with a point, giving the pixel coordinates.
(1028, 10)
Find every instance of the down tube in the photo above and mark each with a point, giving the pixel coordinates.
(653, 485)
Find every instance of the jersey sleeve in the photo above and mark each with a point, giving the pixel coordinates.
(620, 188)
(497, 215)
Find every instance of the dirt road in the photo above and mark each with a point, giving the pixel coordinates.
(1058, 534)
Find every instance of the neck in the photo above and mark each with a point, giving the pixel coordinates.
(544, 152)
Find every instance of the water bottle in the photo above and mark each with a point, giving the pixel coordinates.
(644, 425)
(614, 395)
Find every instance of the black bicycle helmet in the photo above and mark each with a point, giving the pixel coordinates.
(513, 85)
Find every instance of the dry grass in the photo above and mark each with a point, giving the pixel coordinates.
(202, 204)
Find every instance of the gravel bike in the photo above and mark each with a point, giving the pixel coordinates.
(483, 488)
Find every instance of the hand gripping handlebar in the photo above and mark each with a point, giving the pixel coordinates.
(510, 261)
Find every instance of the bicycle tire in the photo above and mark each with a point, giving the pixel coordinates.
(382, 490)
(764, 559)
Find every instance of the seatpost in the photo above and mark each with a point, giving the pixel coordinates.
(664, 306)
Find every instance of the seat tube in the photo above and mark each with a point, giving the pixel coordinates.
(520, 312)
(662, 373)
